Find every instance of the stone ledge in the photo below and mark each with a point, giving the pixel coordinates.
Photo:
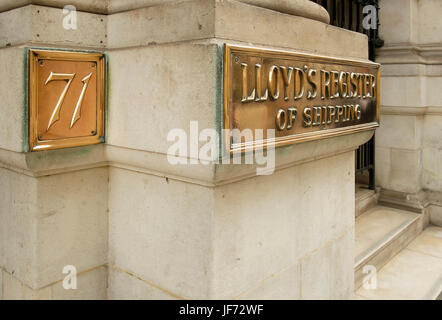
(415, 202)
(409, 53)
(226, 20)
(50, 162)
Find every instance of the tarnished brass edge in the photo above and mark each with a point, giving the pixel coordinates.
(378, 97)
(227, 55)
(32, 93)
(99, 58)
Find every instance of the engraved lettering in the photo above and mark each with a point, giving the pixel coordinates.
(292, 112)
(245, 96)
(299, 83)
(287, 80)
(325, 84)
(307, 117)
(281, 119)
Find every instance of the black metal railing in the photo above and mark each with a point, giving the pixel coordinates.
(348, 14)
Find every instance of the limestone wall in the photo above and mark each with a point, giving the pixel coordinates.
(408, 143)
(136, 226)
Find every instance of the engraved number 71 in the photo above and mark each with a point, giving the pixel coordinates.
(67, 77)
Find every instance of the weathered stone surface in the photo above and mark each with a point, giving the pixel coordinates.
(397, 279)
(91, 285)
(14, 289)
(12, 105)
(43, 26)
(258, 234)
(169, 101)
(328, 273)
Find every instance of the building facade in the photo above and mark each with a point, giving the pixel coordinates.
(107, 212)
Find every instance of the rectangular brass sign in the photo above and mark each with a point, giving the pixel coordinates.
(302, 97)
(66, 99)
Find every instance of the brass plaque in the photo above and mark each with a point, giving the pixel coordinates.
(301, 97)
(66, 99)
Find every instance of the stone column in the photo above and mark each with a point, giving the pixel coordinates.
(219, 231)
(139, 226)
(408, 157)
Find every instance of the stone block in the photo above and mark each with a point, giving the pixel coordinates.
(160, 230)
(71, 223)
(18, 233)
(253, 25)
(51, 222)
(430, 30)
(42, 26)
(14, 289)
(402, 132)
(162, 24)
(396, 20)
(140, 115)
(260, 233)
(328, 272)
(124, 286)
(436, 215)
(406, 170)
(403, 91)
(433, 92)
(432, 169)
(12, 91)
(433, 131)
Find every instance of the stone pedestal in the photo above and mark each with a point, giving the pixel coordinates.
(136, 226)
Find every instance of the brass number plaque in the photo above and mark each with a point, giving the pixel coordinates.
(66, 99)
(302, 97)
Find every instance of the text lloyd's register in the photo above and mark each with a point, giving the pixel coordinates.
(302, 97)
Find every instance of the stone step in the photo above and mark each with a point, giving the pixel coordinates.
(415, 273)
(365, 199)
(380, 234)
